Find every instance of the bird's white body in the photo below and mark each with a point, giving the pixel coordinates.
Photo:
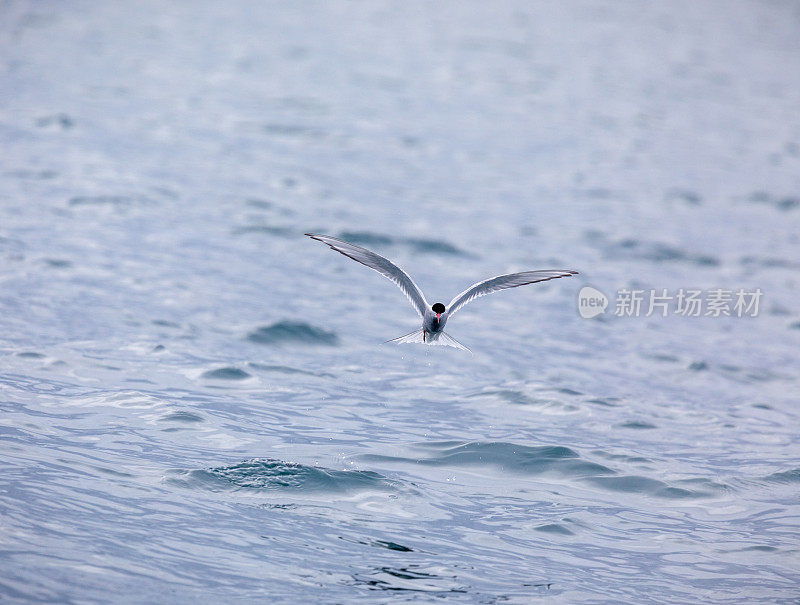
(434, 317)
(433, 322)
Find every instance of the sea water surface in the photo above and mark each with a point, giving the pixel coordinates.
(195, 401)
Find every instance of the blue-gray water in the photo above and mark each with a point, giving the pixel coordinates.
(195, 403)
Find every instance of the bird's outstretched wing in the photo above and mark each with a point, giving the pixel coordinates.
(381, 265)
(501, 282)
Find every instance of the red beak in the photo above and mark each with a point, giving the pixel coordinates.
(437, 317)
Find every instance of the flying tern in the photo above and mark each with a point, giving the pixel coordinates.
(434, 317)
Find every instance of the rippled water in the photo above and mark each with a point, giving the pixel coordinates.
(194, 398)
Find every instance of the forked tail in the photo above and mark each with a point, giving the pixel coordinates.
(430, 338)
(411, 337)
(444, 339)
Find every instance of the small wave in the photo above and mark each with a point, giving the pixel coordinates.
(112, 471)
(637, 424)
(387, 544)
(59, 120)
(292, 332)
(555, 528)
(790, 476)
(657, 252)
(413, 578)
(165, 323)
(259, 203)
(607, 402)
(417, 244)
(769, 262)
(229, 373)
(293, 131)
(366, 238)
(266, 474)
(547, 404)
(785, 203)
(757, 548)
(636, 484)
(391, 546)
(435, 246)
(549, 459)
(39, 175)
(285, 369)
(182, 416)
(117, 201)
(662, 357)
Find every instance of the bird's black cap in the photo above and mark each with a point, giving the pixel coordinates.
(438, 308)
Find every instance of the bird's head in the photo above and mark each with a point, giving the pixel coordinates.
(438, 308)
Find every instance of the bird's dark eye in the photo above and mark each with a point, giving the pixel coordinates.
(438, 308)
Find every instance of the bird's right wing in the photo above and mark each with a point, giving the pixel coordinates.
(381, 265)
(501, 282)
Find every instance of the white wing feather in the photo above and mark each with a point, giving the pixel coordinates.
(381, 265)
(501, 282)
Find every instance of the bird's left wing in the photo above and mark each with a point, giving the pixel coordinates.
(501, 282)
(381, 265)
